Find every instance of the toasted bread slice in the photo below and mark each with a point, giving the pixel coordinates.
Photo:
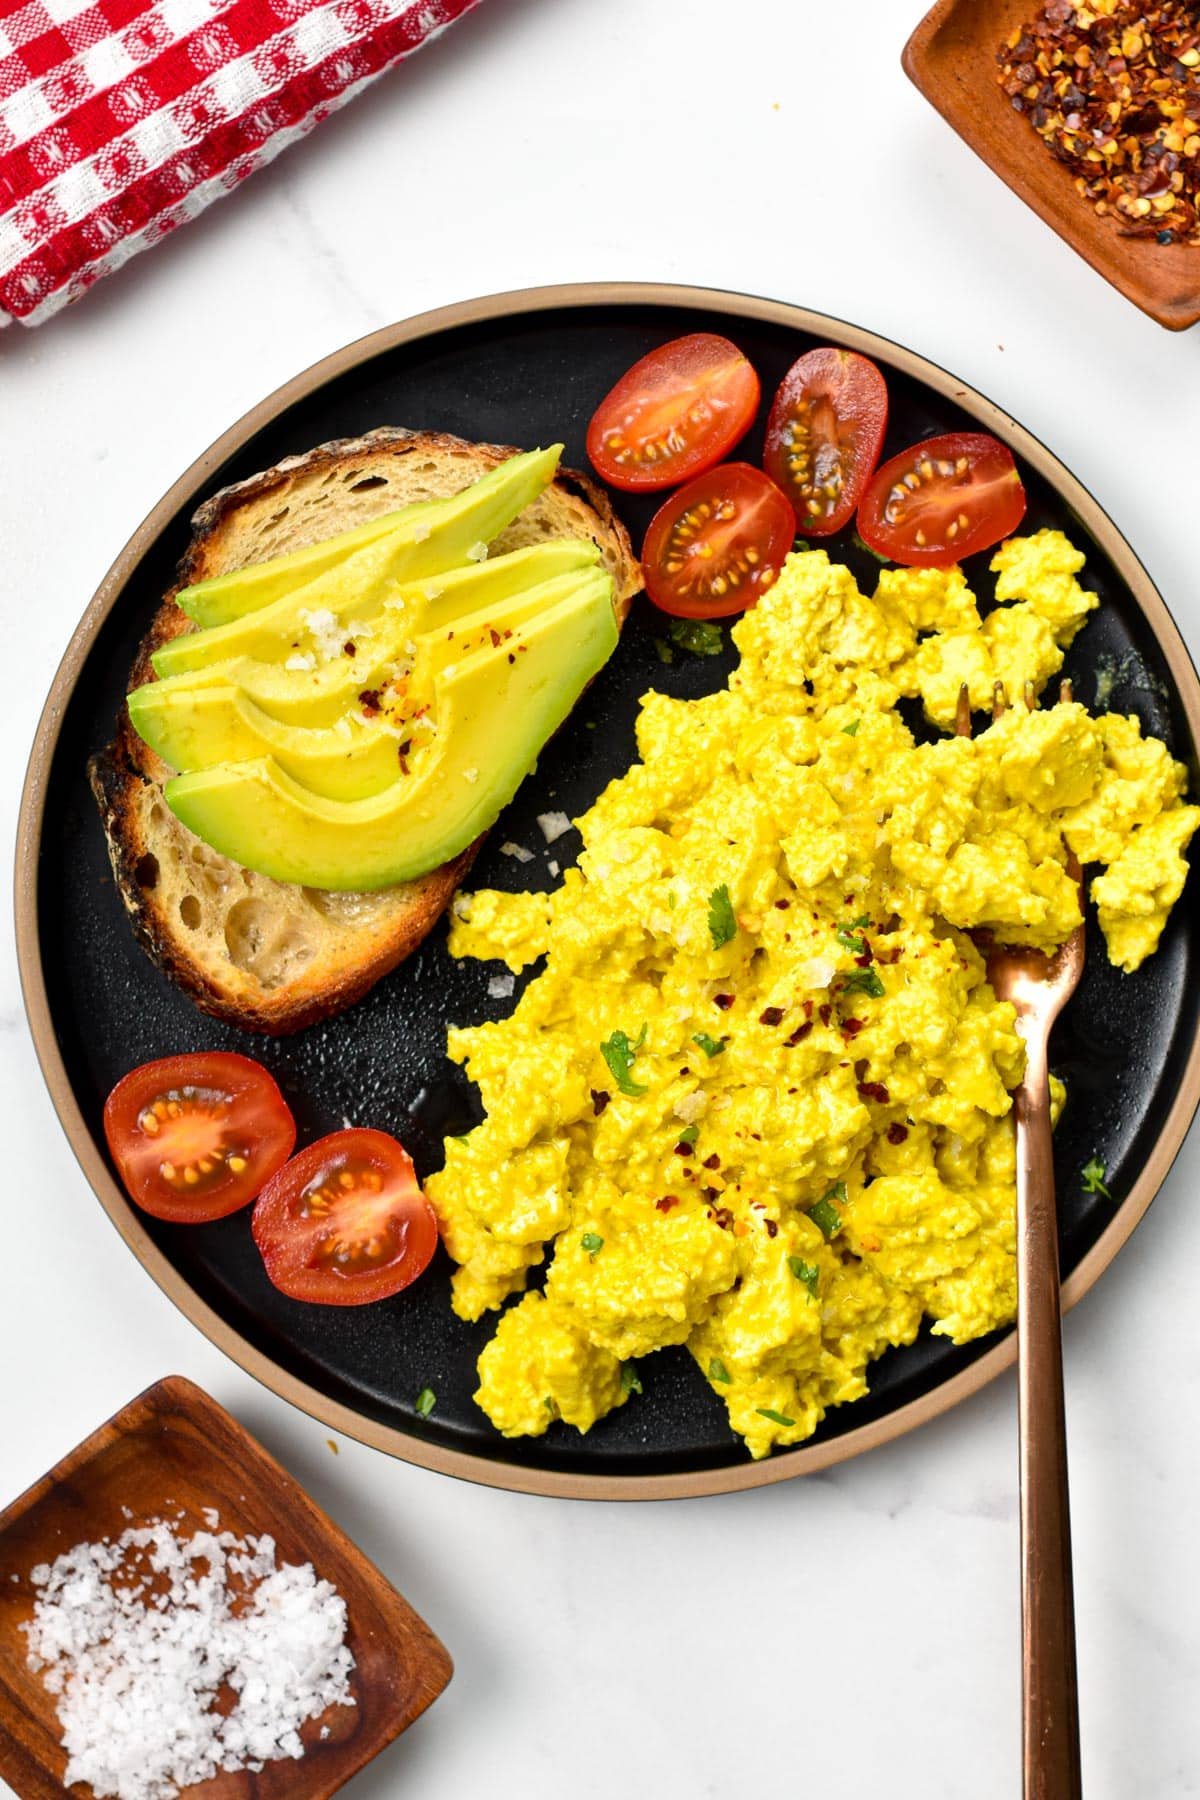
(261, 954)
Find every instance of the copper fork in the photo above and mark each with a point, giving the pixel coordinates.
(1039, 987)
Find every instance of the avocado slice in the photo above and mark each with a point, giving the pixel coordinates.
(494, 715)
(427, 537)
(346, 604)
(321, 696)
(195, 724)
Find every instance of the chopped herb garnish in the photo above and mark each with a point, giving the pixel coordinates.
(863, 981)
(551, 1405)
(700, 636)
(664, 650)
(620, 1055)
(858, 924)
(776, 1418)
(801, 544)
(721, 920)
(591, 1243)
(630, 1380)
(1093, 1173)
(426, 1401)
(825, 1215)
(807, 1274)
(717, 1371)
(690, 1135)
(851, 730)
(861, 544)
(711, 1046)
(857, 946)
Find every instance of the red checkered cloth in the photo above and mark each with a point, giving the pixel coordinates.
(121, 119)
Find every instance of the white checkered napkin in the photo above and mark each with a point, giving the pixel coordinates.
(120, 120)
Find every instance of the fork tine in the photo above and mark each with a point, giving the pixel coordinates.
(999, 700)
(962, 715)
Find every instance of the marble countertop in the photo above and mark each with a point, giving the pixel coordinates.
(857, 1632)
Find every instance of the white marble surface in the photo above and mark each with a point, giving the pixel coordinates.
(851, 1634)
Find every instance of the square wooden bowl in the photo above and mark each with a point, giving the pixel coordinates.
(171, 1450)
(951, 57)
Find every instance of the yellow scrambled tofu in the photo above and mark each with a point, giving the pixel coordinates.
(758, 1100)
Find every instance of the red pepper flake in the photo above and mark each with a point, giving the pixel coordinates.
(497, 640)
(371, 702)
(772, 1227)
(600, 1100)
(712, 1193)
(897, 1133)
(685, 1149)
(852, 1027)
(724, 1001)
(511, 657)
(860, 1068)
(1115, 96)
(773, 1015)
(350, 647)
(866, 959)
(666, 1203)
(874, 1090)
(808, 1009)
(798, 1036)
(782, 905)
(713, 1161)
(825, 1013)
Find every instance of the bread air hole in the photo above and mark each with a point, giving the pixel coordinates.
(146, 871)
(189, 911)
(368, 481)
(271, 947)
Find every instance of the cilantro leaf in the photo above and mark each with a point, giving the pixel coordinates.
(806, 1273)
(848, 939)
(717, 1371)
(863, 981)
(664, 651)
(1093, 1173)
(426, 1401)
(620, 1055)
(630, 1379)
(711, 1046)
(851, 730)
(591, 1243)
(776, 1418)
(825, 1215)
(690, 1135)
(701, 636)
(801, 544)
(721, 921)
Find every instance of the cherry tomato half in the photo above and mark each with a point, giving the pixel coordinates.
(718, 543)
(824, 435)
(195, 1137)
(344, 1222)
(942, 500)
(676, 412)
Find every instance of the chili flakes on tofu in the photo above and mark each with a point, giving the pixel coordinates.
(1113, 88)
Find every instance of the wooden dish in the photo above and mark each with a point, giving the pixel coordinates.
(951, 57)
(171, 1450)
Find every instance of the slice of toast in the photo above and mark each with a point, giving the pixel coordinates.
(264, 955)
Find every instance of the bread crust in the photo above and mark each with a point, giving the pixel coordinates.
(152, 854)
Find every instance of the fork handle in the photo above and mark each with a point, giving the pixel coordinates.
(1049, 1687)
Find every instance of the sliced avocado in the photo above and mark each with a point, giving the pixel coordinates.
(195, 725)
(432, 534)
(494, 715)
(320, 696)
(318, 619)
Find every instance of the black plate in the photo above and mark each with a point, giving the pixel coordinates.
(529, 377)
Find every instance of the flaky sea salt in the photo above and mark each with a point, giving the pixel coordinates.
(518, 850)
(553, 825)
(500, 987)
(135, 1636)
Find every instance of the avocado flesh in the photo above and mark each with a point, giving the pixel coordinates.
(433, 534)
(319, 697)
(196, 725)
(493, 716)
(349, 602)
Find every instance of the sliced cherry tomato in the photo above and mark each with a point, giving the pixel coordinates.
(942, 500)
(195, 1137)
(676, 412)
(345, 1222)
(718, 543)
(824, 436)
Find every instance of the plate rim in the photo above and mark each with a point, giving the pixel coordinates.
(406, 1445)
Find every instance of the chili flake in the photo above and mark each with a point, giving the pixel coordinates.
(1113, 89)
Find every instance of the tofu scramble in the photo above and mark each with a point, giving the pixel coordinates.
(758, 1101)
